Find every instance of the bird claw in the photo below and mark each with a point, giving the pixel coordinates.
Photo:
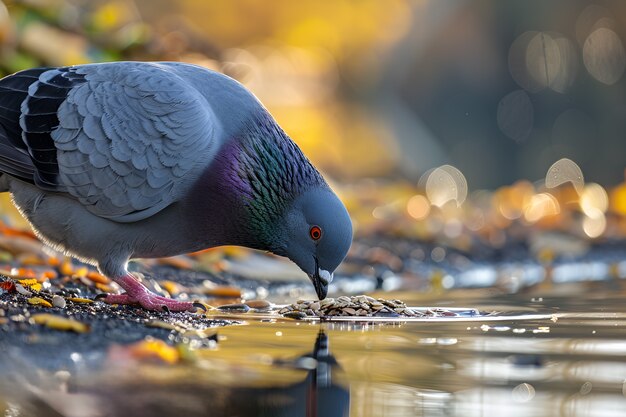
(137, 293)
(200, 305)
(149, 301)
(100, 297)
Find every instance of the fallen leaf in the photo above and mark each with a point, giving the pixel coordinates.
(155, 349)
(171, 287)
(233, 292)
(79, 300)
(59, 323)
(66, 268)
(38, 301)
(97, 277)
(80, 272)
(31, 283)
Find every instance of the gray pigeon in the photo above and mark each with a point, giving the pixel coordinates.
(124, 160)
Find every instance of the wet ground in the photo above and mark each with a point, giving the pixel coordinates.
(545, 352)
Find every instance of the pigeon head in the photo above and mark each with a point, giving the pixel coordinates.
(290, 210)
(316, 235)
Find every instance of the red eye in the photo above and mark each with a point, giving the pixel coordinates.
(315, 233)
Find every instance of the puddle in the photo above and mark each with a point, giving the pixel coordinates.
(519, 355)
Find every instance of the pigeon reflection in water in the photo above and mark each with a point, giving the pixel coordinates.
(318, 395)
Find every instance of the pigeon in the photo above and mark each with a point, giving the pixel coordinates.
(114, 161)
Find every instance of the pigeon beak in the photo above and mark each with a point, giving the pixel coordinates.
(320, 280)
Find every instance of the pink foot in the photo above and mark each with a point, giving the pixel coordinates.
(137, 293)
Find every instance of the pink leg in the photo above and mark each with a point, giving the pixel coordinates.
(137, 293)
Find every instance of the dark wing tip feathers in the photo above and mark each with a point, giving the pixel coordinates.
(29, 101)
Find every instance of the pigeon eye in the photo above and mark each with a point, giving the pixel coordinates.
(315, 232)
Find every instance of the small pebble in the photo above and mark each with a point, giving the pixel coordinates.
(58, 301)
(19, 288)
(259, 304)
(234, 308)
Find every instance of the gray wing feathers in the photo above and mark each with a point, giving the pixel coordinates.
(132, 139)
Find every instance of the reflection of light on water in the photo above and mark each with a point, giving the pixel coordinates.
(604, 56)
(598, 347)
(565, 170)
(523, 393)
(580, 271)
(443, 341)
(586, 388)
(446, 183)
(383, 399)
(488, 401)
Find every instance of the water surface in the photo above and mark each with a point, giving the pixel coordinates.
(527, 354)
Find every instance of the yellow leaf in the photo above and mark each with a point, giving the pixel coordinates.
(171, 287)
(155, 349)
(80, 300)
(59, 323)
(66, 267)
(224, 291)
(30, 283)
(38, 301)
(81, 272)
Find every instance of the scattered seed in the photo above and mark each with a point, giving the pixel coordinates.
(359, 305)
(298, 315)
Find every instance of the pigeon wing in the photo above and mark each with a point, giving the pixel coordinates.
(124, 139)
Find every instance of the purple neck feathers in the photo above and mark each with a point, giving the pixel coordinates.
(257, 175)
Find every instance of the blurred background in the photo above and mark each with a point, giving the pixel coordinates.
(432, 118)
(479, 147)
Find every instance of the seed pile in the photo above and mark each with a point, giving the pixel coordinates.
(358, 305)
